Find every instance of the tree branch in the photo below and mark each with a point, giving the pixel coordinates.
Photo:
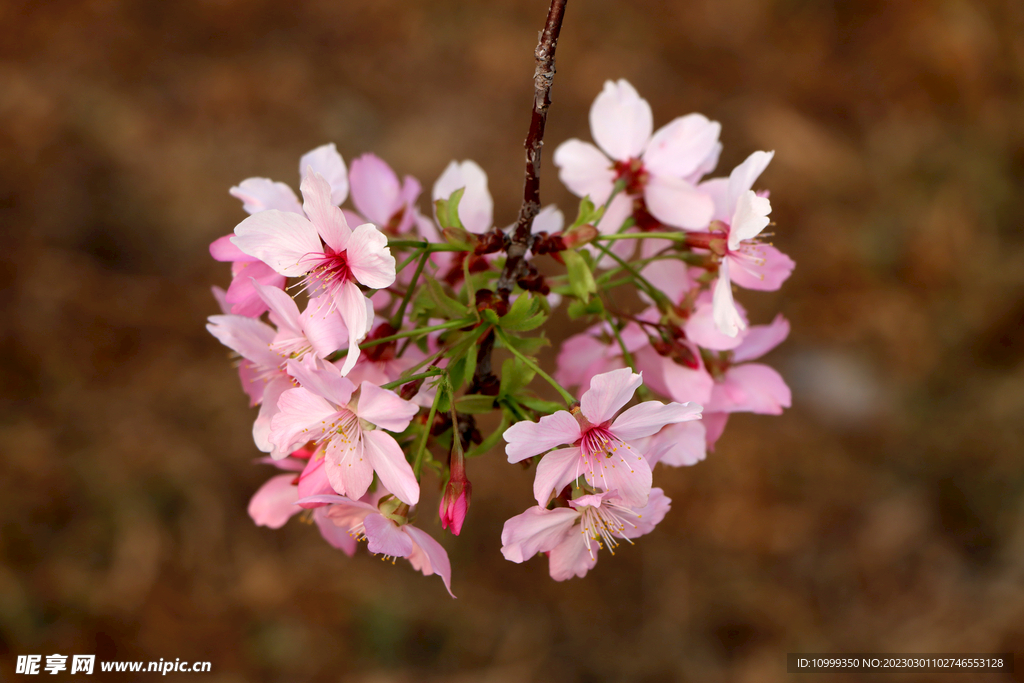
(543, 75)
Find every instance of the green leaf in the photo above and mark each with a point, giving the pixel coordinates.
(578, 309)
(448, 210)
(449, 306)
(588, 213)
(527, 313)
(491, 316)
(515, 375)
(474, 404)
(581, 280)
(527, 345)
(539, 404)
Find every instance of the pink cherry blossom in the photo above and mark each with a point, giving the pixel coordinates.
(662, 168)
(476, 208)
(746, 261)
(379, 197)
(261, 194)
(678, 445)
(384, 535)
(571, 536)
(350, 430)
(598, 448)
(291, 245)
(741, 386)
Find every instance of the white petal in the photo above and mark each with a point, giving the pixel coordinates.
(726, 316)
(746, 174)
(369, 257)
(585, 170)
(329, 219)
(749, 219)
(280, 239)
(621, 121)
(676, 202)
(476, 209)
(260, 194)
(326, 161)
(683, 146)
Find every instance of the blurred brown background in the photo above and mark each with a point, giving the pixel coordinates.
(884, 512)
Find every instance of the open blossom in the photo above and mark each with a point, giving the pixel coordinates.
(744, 387)
(349, 430)
(261, 194)
(379, 197)
(385, 534)
(599, 448)
(746, 260)
(662, 168)
(571, 536)
(334, 267)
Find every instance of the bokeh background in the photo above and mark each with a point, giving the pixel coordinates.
(883, 512)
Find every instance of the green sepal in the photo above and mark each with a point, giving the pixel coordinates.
(581, 279)
(474, 404)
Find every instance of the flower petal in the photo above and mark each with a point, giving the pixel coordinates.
(724, 310)
(283, 310)
(574, 556)
(323, 379)
(385, 537)
(388, 461)
(476, 209)
(759, 266)
(549, 220)
(300, 418)
(329, 220)
(274, 502)
(326, 161)
(678, 445)
(357, 312)
(269, 407)
(221, 249)
(433, 559)
(313, 480)
(749, 218)
(626, 472)
(261, 194)
(248, 337)
(585, 170)
(650, 416)
(369, 257)
(648, 516)
(678, 203)
(554, 472)
(536, 531)
(607, 394)
(760, 339)
(324, 327)
(348, 470)
(701, 328)
(384, 408)
(375, 188)
(527, 438)
(281, 240)
(337, 536)
(744, 176)
(750, 388)
(683, 146)
(621, 120)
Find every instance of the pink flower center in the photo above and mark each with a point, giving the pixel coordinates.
(330, 272)
(606, 524)
(633, 173)
(600, 441)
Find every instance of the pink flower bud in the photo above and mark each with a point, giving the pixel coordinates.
(455, 504)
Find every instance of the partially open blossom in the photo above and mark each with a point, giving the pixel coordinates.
(379, 196)
(599, 448)
(387, 533)
(334, 267)
(571, 536)
(350, 430)
(455, 500)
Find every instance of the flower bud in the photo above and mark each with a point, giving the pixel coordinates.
(455, 501)
(580, 235)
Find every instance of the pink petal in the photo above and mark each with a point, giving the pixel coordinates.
(678, 445)
(618, 211)
(580, 358)
(575, 555)
(221, 249)
(388, 461)
(369, 257)
(727, 318)
(718, 190)
(300, 418)
(253, 379)
(274, 503)
(384, 408)
(621, 121)
(745, 175)
(760, 339)
(527, 438)
(749, 218)
(269, 407)
(248, 337)
(326, 161)
(476, 209)
(323, 379)
(536, 531)
(714, 424)
(385, 537)
(702, 329)
(683, 146)
(549, 220)
(324, 327)
(670, 276)
(348, 470)
(626, 472)
(337, 536)
(750, 388)
(329, 220)
(261, 194)
(676, 202)
(375, 188)
(242, 295)
(313, 480)
(607, 394)
(433, 559)
(649, 417)
(352, 306)
(585, 170)
(760, 266)
(411, 189)
(283, 310)
(281, 240)
(555, 471)
(649, 515)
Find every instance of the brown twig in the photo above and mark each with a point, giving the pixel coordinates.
(543, 74)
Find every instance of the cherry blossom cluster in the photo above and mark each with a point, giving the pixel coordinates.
(388, 347)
